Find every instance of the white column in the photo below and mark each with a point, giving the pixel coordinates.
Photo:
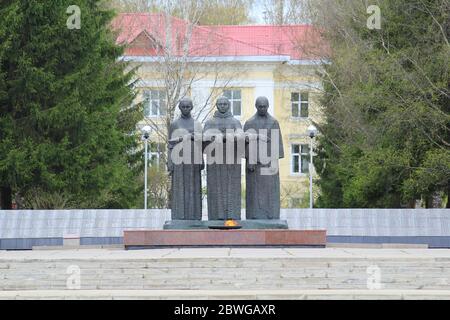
(311, 198)
(199, 96)
(266, 89)
(145, 174)
(200, 93)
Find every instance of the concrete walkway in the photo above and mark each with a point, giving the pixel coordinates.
(309, 253)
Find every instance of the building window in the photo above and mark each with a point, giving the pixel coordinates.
(155, 154)
(300, 158)
(154, 103)
(300, 104)
(235, 101)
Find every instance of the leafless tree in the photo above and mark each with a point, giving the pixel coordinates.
(181, 55)
(290, 195)
(217, 12)
(282, 12)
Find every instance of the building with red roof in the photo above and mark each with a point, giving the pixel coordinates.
(175, 58)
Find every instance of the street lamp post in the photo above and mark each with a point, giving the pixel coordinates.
(145, 136)
(312, 132)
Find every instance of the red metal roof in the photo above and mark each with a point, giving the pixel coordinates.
(296, 41)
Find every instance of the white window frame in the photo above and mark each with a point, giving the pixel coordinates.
(299, 154)
(232, 100)
(148, 102)
(300, 104)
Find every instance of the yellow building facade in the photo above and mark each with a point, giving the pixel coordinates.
(293, 91)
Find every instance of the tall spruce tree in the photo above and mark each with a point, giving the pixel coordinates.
(386, 138)
(65, 120)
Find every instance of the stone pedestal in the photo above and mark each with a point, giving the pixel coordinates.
(71, 240)
(139, 239)
(246, 224)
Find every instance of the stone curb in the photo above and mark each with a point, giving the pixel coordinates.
(227, 294)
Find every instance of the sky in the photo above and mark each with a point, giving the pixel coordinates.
(257, 12)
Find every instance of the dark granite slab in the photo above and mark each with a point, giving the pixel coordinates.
(246, 224)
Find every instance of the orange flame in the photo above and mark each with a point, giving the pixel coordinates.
(231, 223)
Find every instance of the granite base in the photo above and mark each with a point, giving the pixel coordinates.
(246, 224)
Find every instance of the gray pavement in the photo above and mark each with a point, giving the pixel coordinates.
(307, 253)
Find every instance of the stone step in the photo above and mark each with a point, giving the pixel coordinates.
(38, 275)
(227, 269)
(226, 294)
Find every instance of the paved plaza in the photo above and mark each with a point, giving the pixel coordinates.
(118, 253)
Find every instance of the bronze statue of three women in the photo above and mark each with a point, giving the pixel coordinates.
(225, 144)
